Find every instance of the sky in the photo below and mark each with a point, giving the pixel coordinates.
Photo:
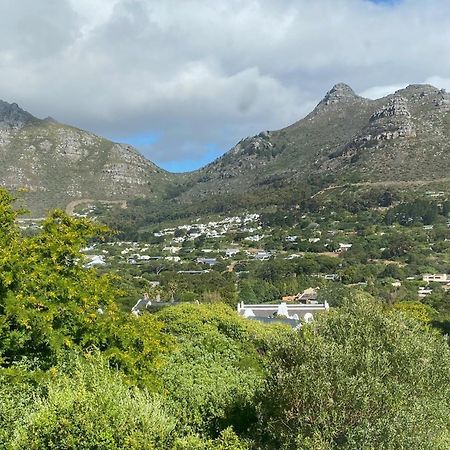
(185, 80)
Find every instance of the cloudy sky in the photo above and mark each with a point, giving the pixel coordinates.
(184, 80)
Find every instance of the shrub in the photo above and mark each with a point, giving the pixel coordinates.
(358, 377)
(90, 406)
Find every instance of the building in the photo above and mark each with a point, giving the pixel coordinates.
(172, 249)
(294, 313)
(423, 292)
(307, 296)
(344, 247)
(331, 277)
(95, 260)
(146, 305)
(230, 252)
(141, 305)
(436, 278)
(207, 261)
(193, 272)
(262, 255)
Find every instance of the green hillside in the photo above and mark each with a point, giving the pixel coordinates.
(404, 136)
(56, 164)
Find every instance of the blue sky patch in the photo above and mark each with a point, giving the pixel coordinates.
(188, 164)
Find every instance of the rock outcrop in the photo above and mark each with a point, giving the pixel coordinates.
(339, 93)
(12, 116)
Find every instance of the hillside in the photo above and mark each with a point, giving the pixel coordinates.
(404, 136)
(57, 163)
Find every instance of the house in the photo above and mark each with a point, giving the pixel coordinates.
(173, 258)
(96, 260)
(193, 272)
(207, 261)
(331, 277)
(262, 255)
(436, 278)
(293, 313)
(146, 305)
(423, 292)
(308, 296)
(230, 252)
(141, 305)
(344, 247)
(172, 249)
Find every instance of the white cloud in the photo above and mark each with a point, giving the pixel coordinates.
(376, 92)
(443, 83)
(202, 72)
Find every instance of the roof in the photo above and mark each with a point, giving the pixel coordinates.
(141, 305)
(293, 323)
(291, 311)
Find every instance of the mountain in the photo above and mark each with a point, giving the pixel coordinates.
(57, 163)
(403, 136)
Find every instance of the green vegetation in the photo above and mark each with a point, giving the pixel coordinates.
(78, 373)
(360, 377)
(394, 236)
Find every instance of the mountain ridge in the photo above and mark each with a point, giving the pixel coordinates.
(57, 163)
(340, 136)
(402, 136)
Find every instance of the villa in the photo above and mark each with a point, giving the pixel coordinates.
(291, 314)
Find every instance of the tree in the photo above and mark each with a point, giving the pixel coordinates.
(417, 311)
(358, 377)
(50, 303)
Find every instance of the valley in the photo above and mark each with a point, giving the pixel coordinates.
(122, 283)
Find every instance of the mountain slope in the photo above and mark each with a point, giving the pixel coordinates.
(403, 136)
(58, 163)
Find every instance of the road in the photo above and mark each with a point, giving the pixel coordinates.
(383, 184)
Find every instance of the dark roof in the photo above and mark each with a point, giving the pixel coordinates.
(265, 310)
(141, 305)
(270, 320)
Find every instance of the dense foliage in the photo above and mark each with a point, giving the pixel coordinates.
(360, 377)
(78, 373)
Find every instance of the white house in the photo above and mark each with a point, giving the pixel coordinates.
(344, 247)
(296, 312)
(436, 278)
(172, 249)
(96, 260)
(423, 292)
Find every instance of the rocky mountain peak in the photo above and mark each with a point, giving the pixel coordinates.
(12, 116)
(340, 92)
(422, 94)
(419, 89)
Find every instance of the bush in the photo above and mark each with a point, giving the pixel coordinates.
(91, 407)
(211, 380)
(359, 377)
